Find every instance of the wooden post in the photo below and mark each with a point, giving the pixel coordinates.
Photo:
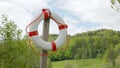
(43, 59)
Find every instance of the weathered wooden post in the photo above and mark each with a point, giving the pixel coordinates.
(53, 45)
(43, 59)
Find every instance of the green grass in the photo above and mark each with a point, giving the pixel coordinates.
(82, 63)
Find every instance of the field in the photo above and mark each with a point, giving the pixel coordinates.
(82, 63)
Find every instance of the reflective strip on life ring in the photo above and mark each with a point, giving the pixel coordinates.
(44, 44)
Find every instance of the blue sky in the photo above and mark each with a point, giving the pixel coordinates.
(80, 15)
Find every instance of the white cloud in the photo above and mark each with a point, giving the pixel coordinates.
(23, 11)
(31, 5)
(73, 26)
(18, 14)
(96, 11)
(72, 29)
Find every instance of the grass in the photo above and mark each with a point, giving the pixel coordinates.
(82, 63)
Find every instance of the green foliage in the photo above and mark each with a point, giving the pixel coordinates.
(49, 64)
(117, 61)
(87, 45)
(111, 56)
(115, 4)
(17, 55)
(94, 44)
(8, 29)
(14, 51)
(91, 44)
(113, 1)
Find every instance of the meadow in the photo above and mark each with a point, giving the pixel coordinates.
(82, 63)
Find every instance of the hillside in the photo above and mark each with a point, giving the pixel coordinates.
(82, 46)
(91, 44)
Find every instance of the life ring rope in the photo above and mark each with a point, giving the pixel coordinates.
(54, 20)
(32, 23)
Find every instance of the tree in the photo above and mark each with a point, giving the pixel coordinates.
(14, 51)
(110, 56)
(8, 29)
(117, 61)
(115, 4)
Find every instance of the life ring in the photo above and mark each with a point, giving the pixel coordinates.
(33, 31)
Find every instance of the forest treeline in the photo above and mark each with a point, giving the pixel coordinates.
(91, 44)
(16, 53)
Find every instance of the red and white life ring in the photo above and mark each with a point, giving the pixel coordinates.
(44, 44)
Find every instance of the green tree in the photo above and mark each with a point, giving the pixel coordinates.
(117, 61)
(110, 56)
(14, 51)
(8, 29)
(115, 4)
(91, 44)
